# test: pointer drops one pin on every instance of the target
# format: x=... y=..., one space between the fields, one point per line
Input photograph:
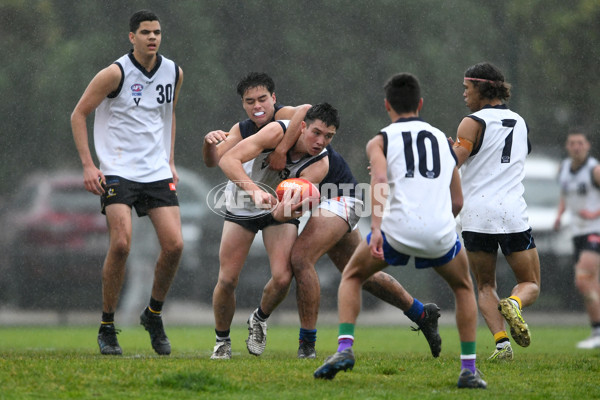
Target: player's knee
x=120 y=247
x=174 y=247
x=227 y=283
x=282 y=280
x=583 y=282
x=300 y=262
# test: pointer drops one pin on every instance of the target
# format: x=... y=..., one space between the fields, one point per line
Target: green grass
x=392 y=362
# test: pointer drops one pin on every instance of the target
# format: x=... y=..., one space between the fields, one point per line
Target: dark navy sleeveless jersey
x=249 y=128
x=339 y=175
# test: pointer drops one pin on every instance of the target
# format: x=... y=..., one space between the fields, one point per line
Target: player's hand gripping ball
x=306 y=188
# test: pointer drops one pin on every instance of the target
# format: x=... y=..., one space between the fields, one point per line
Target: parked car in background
x=54 y=240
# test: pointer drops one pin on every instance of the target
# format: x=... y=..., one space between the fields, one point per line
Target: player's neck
x=148 y=61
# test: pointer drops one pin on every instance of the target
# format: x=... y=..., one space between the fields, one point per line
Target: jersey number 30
x=165 y=93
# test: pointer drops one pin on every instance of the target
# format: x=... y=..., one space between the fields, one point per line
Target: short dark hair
x=403 y=92
x=255 y=79
x=493 y=85
x=140 y=16
x=324 y=112
x=579 y=130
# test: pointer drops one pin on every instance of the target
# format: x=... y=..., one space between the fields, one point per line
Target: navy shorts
x=141 y=196
x=258 y=223
x=489 y=242
x=590 y=242
x=393 y=257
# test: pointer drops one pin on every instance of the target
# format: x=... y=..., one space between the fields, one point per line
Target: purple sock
x=468 y=364
x=344 y=344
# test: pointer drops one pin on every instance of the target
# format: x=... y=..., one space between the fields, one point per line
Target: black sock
x=223 y=336
x=261 y=315
x=108 y=318
x=155 y=306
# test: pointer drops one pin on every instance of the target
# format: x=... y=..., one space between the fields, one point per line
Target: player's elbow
x=457 y=205
x=77 y=116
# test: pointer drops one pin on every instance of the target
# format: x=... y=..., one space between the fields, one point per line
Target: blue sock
x=416 y=311
x=308 y=335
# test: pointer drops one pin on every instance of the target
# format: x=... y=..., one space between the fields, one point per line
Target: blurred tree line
x=316 y=50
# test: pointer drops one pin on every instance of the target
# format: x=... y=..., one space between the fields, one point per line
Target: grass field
x=392 y=363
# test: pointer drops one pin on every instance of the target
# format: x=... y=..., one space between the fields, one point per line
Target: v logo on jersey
x=137 y=101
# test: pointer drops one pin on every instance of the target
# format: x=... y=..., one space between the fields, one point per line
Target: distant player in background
x=332 y=229
x=253 y=209
x=579 y=179
x=414 y=178
x=491 y=147
x=134 y=136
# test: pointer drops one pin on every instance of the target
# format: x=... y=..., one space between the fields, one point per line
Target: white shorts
x=344 y=207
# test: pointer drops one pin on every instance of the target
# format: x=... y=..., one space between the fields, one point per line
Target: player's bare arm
x=456 y=192
x=379 y=192
x=277 y=159
x=232 y=161
x=217 y=143
x=173 y=125
x=104 y=83
x=316 y=172
x=467 y=137
x=562 y=206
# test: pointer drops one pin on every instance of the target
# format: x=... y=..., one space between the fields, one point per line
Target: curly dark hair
x=492 y=84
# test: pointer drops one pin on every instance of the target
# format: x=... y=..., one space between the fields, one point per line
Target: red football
x=306 y=187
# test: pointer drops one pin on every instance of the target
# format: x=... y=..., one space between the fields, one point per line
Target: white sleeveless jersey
x=418 y=220
x=240 y=203
x=492 y=175
x=132 y=126
x=580 y=193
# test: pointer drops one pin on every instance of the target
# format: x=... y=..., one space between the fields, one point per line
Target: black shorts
x=489 y=242
x=590 y=242
x=141 y=196
x=258 y=223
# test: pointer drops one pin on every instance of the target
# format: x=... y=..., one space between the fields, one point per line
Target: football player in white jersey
x=491 y=147
x=134 y=135
x=579 y=179
x=415 y=196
